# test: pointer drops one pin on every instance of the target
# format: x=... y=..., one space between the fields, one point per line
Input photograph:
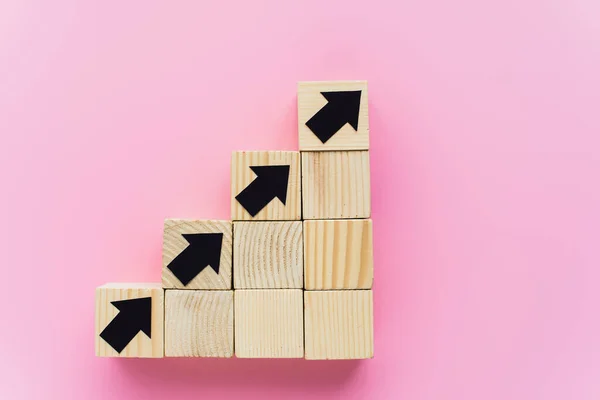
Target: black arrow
x=204 y=250
x=134 y=315
x=271 y=181
x=341 y=108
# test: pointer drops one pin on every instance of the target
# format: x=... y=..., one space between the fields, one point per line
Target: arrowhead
x=275 y=178
x=345 y=105
x=206 y=247
x=137 y=313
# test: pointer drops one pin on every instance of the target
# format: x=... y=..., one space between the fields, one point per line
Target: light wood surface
x=242 y=176
x=338 y=324
x=336 y=184
x=310 y=101
x=174 y=243
x=141 y=346
x=198 y=323
x=268 y=255
x=338 y=254
x=268 y=323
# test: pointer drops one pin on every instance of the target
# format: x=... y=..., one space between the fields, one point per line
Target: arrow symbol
x=341 y=109
x=134 y=315
x=271 y=181
x=204 y=250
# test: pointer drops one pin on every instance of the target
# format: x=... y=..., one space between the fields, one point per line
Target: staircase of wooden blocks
x=289 y=277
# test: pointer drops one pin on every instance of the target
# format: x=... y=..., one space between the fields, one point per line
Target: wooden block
x=268 y=255
x=333 y=116
x=129 y=320
x=268 y=323
x=199 y=323
x=338 y=324
x=338 y=254
x=197 y=254
x=336 y=184
x=265 y=185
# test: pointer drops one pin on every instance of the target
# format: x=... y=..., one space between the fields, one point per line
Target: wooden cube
x=268 y=255
x=338 y=324
x=265 y=185
x=336 y=184
x=268 y=323
x=338 y=254
x=197 y=254
x=333 y=116
x=198 y=323
x=129 y=320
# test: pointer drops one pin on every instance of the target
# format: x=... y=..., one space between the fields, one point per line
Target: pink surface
x=485 y=168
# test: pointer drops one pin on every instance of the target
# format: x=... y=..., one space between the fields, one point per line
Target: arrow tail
x=253 y=197
x=119 y=332
x=186 y=266
x=326 y=122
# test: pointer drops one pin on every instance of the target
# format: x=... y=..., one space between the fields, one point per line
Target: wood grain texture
x=199 y=323
x=336 y=184
x=242 y=176
x=338 y=254
x=268 y=323
x=268 y=255
x=338 y=324
x=174 y=244
x=310 y=101
x=141 y=346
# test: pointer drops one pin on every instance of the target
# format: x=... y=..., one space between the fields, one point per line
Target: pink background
x=485 y=135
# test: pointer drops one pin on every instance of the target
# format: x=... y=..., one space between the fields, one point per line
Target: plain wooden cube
x=311 y=100
x=268 y=323
x=268 y=255
x=338 y=324
x=242 y=176
x=198 y=323
x=338 y=254
x=106 y=313
x=174 y=244
x=336 y=184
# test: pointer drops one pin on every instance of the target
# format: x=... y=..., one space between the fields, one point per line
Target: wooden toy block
x=265 y=185
x=197 y=254
x=333 y=116
x=336 y=184
x=129 y=320
x=338 y=324
x=198 y=323
x=268 y=255
x=338 y=254
x=268 y=323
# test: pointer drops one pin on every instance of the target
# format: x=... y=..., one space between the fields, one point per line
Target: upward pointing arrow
x=204 y=250
x=271 y=182
x=342 y=108
x=134 y=315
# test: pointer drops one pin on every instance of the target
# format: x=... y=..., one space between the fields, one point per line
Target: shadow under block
x=268 y=255
x=268 y=323
x=198 y=323
x=336 y=184
x=265 y=185
x=338 y=254
x=193 y=252
x=338 y=324
x=333 y=116
x=129 y=320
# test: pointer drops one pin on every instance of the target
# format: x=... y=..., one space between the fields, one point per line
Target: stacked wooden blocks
x=333 y=128
x=289 y=277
